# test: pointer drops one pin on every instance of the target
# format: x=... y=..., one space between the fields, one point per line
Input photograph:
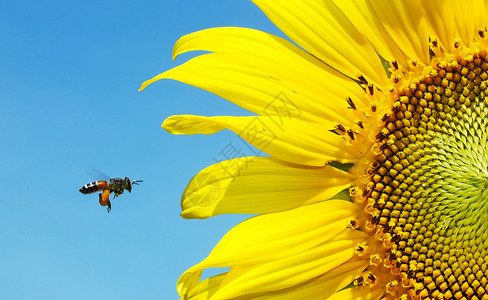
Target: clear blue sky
x=69 y=73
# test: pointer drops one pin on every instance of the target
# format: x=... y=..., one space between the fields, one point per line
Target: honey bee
x=116 y=185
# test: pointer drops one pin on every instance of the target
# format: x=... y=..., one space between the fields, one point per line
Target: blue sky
x=69 y=104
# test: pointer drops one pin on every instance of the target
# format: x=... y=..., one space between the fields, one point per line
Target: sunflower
x=374 y=122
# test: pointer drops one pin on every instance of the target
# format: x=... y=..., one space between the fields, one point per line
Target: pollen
x=426 y=199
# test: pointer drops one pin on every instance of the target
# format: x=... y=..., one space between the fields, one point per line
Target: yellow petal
x=362 y=15
x=358 y=293
x=275 y=236
x=253 y=185
x=205 y=289
x=320 y=287
x=292 y=270
x=440 y=16
x=405 y=23
x=287 y=139
x=289 y=61
x=484 y=13
x=267 y=75
x=264 y=87
x=323 y=30
x=469 y=18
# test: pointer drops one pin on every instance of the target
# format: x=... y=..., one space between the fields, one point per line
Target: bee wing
x=97 y=175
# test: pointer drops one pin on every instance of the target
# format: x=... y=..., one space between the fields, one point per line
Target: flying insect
x=116 y=185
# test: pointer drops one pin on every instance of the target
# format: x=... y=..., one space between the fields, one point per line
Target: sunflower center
x=427 y=196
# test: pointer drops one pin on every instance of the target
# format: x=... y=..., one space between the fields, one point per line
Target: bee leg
x=103 y=199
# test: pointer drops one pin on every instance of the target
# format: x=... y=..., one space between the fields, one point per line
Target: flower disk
x=427 y=194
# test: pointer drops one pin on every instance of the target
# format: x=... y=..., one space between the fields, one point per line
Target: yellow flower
x=376 y=184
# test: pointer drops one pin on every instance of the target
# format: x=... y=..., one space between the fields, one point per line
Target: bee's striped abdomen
x=94 y=187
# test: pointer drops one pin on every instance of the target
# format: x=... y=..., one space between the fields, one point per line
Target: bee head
x=127 y=184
